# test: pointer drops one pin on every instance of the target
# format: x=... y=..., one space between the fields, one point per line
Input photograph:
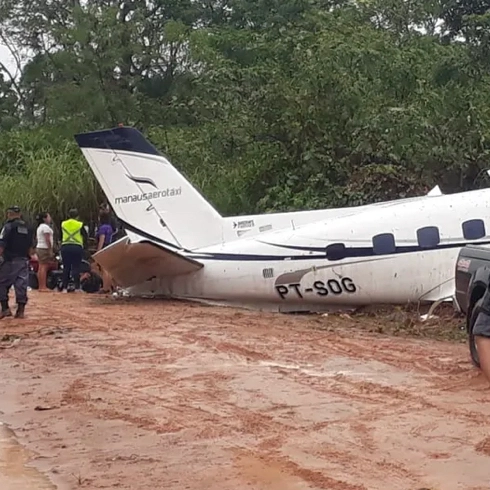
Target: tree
x=8 y=105
x=100 y=62
x=265 y=105
x=459 y=15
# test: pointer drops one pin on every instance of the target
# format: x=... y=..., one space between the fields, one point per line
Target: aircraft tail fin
x=148 y=194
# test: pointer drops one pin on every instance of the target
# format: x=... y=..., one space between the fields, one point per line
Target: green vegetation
x=265 y=105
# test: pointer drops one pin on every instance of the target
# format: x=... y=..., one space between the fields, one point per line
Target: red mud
x=152 y=394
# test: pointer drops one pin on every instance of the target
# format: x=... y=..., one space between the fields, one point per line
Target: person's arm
x=85 y=237
x=32 y=248
x=4 y=234
x=100 y=243
x=47 y=237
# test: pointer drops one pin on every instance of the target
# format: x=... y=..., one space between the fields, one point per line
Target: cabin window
x=474 y=229
x=428 y=237
x=336 y=251
x=384 y=244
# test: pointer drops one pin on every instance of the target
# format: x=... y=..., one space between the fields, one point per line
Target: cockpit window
x=474 y=229
x=384 y=243
x=428 y=237
x=335 y=251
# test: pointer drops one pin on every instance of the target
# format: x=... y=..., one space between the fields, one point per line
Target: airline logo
x=147 y=196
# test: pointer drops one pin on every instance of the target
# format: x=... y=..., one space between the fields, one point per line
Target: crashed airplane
x=179 y=246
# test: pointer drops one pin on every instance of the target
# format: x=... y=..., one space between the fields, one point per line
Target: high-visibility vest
x=71 y=232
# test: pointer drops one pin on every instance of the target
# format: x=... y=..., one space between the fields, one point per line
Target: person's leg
x=76 y=265
x=21 y=282
x=5 y=284
x=44 y=257
x=42 y=271
x=42 y=274
x=483 y=346
x=481 y=331
x=66 y=258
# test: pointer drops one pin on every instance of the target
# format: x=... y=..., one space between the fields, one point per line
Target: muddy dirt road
x=146 y=394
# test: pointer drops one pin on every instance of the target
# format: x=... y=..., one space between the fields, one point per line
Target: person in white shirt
x=44 y=248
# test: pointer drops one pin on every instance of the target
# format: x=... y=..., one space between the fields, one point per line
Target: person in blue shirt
x=105 y=212
x=104 y=232
x=104 y=238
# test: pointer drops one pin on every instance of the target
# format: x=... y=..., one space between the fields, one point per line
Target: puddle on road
x=14 y=472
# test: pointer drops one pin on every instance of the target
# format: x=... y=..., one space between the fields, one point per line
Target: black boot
x=5 y=310
x=20 y=310
x=5 y=313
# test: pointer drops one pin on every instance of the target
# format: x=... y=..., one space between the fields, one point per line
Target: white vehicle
x=177 y=244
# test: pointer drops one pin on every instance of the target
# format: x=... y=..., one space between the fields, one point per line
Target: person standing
x=16 y=247
x=104 y=232
x=74 y=241
x=104 y=236
x=106 y=213
x=44 y=248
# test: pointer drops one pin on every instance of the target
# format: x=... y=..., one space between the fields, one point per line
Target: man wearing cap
x=16 y=248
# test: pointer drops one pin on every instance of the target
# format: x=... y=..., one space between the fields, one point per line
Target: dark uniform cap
x=14 y=209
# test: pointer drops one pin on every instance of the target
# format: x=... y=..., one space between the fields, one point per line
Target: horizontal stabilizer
x=133 y=263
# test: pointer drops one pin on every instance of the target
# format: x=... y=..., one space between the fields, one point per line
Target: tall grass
x=43 y=170
x=50 y=180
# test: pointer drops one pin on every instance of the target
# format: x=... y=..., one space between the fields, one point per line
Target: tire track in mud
x=282 y=468
x=281 y=405
x=255 y=424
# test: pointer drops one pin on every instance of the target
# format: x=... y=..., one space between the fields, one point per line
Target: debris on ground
x=42 y=409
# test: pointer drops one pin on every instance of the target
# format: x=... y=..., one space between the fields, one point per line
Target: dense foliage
x=265 y=105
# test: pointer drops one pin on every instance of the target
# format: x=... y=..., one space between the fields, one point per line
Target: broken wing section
x=132 y=263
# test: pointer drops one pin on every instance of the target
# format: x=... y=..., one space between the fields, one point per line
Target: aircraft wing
x=133 y=263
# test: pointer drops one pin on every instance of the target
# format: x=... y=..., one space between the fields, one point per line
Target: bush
x=45 y=173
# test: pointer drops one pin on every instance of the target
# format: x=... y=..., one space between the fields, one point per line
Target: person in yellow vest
x=74 y=240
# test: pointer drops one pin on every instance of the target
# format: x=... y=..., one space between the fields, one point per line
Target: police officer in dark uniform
x=16 y=247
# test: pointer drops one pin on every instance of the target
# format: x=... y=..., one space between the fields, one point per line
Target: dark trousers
x=71 y=255
x=15 y=273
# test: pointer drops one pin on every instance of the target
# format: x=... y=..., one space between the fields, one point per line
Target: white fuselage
x=235 y=227
x=395 y=252
x=411 y=259
x=378 y=281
